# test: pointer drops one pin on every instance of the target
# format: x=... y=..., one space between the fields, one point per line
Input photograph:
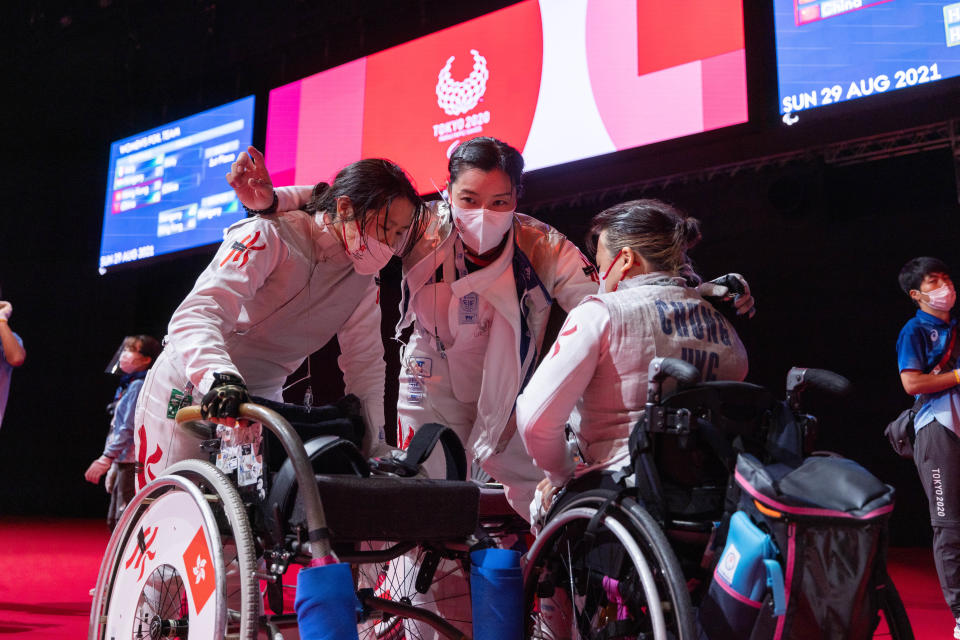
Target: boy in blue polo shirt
x=927 y=357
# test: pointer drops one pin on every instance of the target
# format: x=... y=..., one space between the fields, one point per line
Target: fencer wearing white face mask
x=367 y=253
x=482 y=230
x=477 y=291
x=281 y=286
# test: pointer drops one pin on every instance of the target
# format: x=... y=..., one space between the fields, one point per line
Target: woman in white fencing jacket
x=647 y=306
x=478 y=287
x=279 y=288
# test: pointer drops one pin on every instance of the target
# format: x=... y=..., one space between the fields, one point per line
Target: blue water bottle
x=496 y=594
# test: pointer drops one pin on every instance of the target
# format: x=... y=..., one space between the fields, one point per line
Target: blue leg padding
x=496 y=594
x=326 y=603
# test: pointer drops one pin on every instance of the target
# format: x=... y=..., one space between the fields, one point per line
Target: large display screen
x=166 y=189
x=831 y=51
x=561 y=80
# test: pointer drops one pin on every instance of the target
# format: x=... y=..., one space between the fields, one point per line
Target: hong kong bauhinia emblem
x=457 y=97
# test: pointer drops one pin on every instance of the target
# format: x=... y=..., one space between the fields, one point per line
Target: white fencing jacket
x=598 y=366
x=537 y=267
x=279 y=288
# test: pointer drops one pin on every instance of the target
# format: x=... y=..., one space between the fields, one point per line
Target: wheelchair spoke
x=600 y=584
x=396 y=580
x=162 y=607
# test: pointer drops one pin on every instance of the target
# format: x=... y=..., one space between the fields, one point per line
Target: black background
x=821 y=244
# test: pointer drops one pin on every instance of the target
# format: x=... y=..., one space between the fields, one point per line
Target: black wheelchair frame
x=629 y=552
x=323 y=503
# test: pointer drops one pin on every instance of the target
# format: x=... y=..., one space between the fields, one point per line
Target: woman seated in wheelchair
x=595 y=375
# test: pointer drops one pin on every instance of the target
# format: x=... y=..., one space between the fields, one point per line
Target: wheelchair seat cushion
x=400 y=509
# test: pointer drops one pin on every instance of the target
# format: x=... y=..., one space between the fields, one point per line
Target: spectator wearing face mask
x=137 y=353
x=927 y=358
x=12 y=353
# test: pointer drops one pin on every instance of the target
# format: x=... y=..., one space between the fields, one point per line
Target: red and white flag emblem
x=240 y=251
x=200 y=573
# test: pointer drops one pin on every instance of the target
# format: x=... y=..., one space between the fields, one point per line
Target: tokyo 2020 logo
x=457 y=97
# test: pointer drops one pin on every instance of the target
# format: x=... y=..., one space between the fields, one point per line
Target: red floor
x=47 y=568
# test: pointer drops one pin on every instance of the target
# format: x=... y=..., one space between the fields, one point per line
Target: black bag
x=900 y=431
x=828 y=519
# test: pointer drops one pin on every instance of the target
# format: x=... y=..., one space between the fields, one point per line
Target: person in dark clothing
x=117 y=461
x=927 y=358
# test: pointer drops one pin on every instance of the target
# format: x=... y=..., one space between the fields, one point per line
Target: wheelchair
x=629 y=553
x=201 y=551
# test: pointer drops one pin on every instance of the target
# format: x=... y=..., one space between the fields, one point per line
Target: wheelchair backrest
x=702 y=429
x=734 y=408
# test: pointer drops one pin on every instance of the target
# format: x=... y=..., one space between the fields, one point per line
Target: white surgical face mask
x=130 y=361
x=368 y=254
x=942 y=298
x=481 y=229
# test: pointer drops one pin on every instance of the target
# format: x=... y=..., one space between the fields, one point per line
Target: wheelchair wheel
x=159 y=577
x=895 y=623
x=173 y=562
x=420 y=577
x=605 y=575
x=243 y=597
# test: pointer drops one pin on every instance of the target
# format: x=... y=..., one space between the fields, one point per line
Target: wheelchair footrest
x=386 y=508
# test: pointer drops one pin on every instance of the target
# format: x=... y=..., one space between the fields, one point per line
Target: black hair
x=144 y=345
x=371 y=184
x=486 y=153
x=654 y=229
x=916 y=269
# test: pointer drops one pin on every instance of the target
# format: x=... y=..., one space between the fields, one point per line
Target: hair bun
x=689 y=228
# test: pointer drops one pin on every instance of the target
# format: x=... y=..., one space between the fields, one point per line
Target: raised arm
x=251 y=181
x=13 y=350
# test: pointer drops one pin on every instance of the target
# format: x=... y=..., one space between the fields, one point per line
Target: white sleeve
x=198 y=327
x=362 y=363
x=575 y=277
x=293 y=198
x=557 y=385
